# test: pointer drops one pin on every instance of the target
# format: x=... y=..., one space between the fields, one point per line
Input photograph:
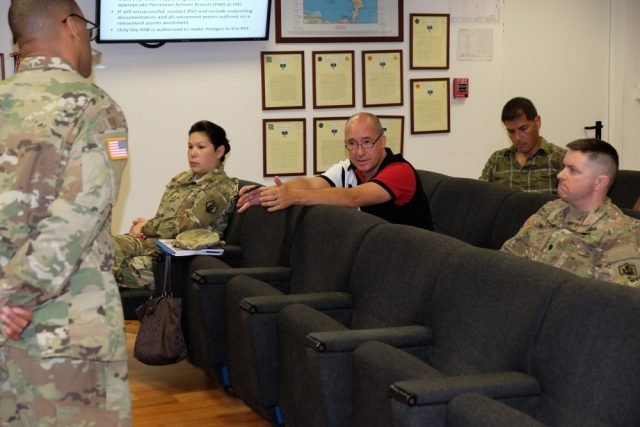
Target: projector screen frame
x=156 y=42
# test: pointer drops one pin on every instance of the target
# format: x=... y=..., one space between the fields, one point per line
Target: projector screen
x=154 y=21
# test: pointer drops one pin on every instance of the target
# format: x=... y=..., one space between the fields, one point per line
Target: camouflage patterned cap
x=197 y=239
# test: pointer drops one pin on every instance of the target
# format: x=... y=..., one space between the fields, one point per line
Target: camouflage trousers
x=62 y=392
x=133 y=264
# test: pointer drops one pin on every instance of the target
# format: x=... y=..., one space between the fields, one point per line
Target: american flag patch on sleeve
x=117 y=148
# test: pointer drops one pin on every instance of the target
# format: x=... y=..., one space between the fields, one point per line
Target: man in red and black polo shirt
x=373 y=179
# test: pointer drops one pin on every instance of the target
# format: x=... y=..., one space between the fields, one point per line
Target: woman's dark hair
x=215 y=133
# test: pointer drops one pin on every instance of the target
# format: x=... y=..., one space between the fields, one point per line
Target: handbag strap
x=166 y=282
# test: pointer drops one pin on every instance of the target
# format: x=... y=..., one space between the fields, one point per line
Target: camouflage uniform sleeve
x=43 y=265
x=156 y=225
x=212 y=206
x=519 y=244
x=620 y=260
x=186 y=205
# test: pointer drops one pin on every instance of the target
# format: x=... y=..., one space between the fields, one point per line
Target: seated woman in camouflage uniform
x=202 y=197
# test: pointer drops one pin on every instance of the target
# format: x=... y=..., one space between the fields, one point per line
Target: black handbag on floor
x=159 y=340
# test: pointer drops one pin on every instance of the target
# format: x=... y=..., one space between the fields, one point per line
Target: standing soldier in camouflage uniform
x=201 y=198
x=583 y=231
x=63 y=147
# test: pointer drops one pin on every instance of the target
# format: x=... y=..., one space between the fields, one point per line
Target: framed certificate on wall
x=333 y=77
x=282 y=80
x=284 y=147
x=382 y=78
x=393 y=127
x=328 y=142
x=429 y=44
x=430 y=105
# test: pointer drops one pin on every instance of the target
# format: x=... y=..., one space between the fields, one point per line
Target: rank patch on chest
x=627 y=269
x=211 y=207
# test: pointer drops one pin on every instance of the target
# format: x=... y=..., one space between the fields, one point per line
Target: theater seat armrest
x=220 y=276
x=231 y=252
x=423 y=392
x=348 y=340
x=324 y=301
x=476 y=410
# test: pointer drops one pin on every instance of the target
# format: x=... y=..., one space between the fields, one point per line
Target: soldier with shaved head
x=63 y=147
x=583 y=231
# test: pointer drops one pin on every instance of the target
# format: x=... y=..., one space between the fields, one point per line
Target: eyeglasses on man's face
x=92 y=28
x=367 y=143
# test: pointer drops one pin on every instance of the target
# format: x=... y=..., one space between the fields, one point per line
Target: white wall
x=163 y=91
x=628 y=60
x=549 y=70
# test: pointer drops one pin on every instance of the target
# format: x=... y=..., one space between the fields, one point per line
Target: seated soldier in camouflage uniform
x=200 y=198
x=583 y=231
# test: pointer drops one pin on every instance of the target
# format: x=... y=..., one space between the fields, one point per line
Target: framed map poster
x=328 y=142
x=322 y=21
x=284 y=147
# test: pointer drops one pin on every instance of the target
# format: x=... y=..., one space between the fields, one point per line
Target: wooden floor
x=181 y=395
